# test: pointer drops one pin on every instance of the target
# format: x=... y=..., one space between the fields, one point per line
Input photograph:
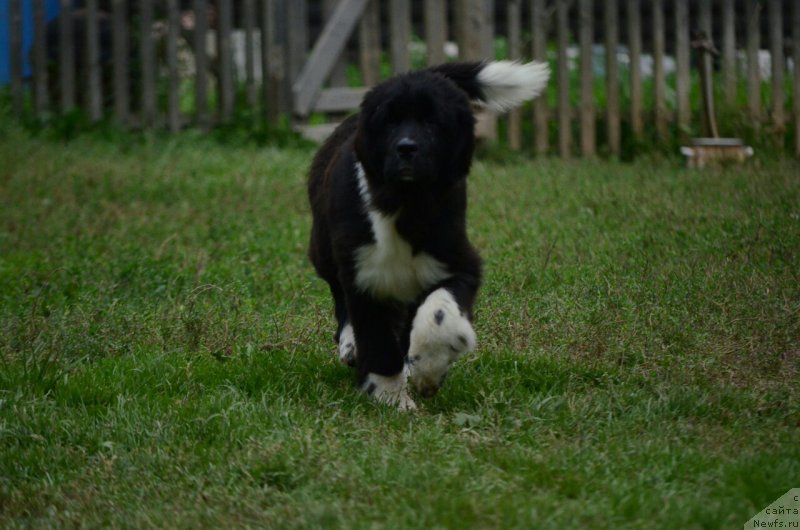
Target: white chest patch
x=388 y=268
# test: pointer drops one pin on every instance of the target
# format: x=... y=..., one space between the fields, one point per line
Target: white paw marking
x=347 y=346
x=392 y=390
x=439 y=336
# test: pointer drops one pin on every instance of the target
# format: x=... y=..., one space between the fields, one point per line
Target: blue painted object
x=51 y=9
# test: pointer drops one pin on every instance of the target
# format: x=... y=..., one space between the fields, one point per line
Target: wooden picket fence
x=314 y=72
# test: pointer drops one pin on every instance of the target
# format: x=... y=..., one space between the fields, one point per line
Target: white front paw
x=391 y=390
x=439 y=335
x=347 y=346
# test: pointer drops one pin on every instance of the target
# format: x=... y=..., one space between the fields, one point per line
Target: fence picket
x=682 y=63
x=659 y=77
x=400 y=32
x=173 y=103
x=778 y=64
x=728 y=52
x=587 y=104
x=369 y=40
x=753 y=74
x=436 y=29
x=539 y=53
x=119 y=44
x=562 y=72
x=514 y=22
x=95 y=91
x=66 y=67
x=635 y=50
x=41 y=98
x=15 y=37
x=611 y=12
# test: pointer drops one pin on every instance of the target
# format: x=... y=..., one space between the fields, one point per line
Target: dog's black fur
x=388 y=194
x=414 y=138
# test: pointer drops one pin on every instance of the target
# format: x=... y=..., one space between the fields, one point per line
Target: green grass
x=166 y=357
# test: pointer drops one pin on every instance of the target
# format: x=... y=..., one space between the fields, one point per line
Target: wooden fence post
x=15 y=37
x=436 y=30
x=728 y=52
x=635 y=48
x=778 y=64
x=514 y=23
x=539 y=52
x=173 y=29
x=148 y=116
x=119 y=23
x=682 y=65
x=612 y=76
x=562 y=69
x=66 y=57
x=271 y=64
x=706 y=62
x=659 y=79
x=40 y=96
x=225 y=55
x=95 y=92
x=753 y=74
x=400 y=34
x=249 y=16
x=369 y=41
x=587 y=106
x=201 y=64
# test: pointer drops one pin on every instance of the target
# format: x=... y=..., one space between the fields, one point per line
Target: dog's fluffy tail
x=499 y=85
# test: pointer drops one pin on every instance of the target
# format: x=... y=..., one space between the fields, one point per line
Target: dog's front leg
x=380 y=362
x=441 y=332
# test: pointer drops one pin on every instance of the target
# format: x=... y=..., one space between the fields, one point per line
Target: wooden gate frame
x=308 y=95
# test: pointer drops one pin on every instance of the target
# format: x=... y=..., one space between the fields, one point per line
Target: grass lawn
x=166 y=352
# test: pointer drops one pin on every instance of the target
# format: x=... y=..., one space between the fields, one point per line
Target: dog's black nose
x=407 y=147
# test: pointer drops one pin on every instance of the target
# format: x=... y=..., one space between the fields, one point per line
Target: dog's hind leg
x=345 y=338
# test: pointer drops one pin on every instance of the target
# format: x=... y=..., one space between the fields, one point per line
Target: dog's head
x=415 y=131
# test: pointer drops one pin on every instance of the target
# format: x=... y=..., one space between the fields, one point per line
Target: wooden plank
x=611 y=18
x=93 y=62
x=15 y=38
x=659 y=78
x=728 y=52
x=338 y=75
x=436 y=30
x=400 y=33
x=249 y=16
x=489 y=123
x=316 y=133
x=369 y=39
x=514 y=25
x=329 y=46
x=173 y=30
x=796 y=84
x=119 y=43
x=40 y=96
x=539 y=53
x=778 y=65
x=202 y=118
x=753 y=73
x=635 y=47
x=705 y=61
x=682 y=65
x=66 y=56
x=562 y=73
x=587 y=104
x=339 y=99
x=148 y=64
x=225 y=54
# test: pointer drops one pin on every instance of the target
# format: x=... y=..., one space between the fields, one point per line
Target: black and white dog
x=388 y=194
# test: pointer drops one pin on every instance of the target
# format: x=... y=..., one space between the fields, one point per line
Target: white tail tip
x=508 y=84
